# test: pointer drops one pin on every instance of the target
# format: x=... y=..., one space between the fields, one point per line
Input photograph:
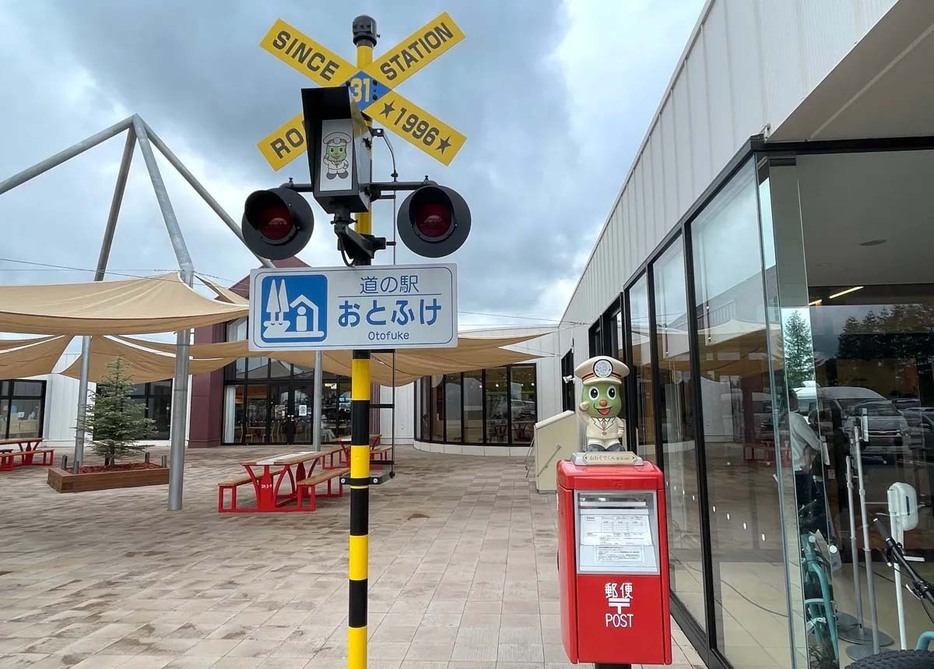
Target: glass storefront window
x=236 y=331
x=159 y=407
x=452 y=408
x=641 y=368
x=424 y=417
x=233 y=414
x=437 y=408
x=279 y=370
x=28 y=388
x=679 y=450
x=22 y=405
x=257 y=369
x=854 y=305
x=473 y=407
x=746 y=540
x=497 y=406
x=256 y=414
x=492 y=406
x=25 y=417
x=523 y=403
x=156 y=398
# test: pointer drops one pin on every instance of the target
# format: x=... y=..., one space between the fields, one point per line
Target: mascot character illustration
x=335 y=156
x=601 y=385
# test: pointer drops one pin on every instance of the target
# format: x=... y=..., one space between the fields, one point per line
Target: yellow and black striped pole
x=364 y=37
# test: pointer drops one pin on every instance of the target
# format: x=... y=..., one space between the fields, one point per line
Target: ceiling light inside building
x=844 y=292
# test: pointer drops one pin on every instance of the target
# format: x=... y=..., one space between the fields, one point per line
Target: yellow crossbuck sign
x=372 y=88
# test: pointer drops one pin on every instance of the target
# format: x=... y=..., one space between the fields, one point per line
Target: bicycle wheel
x=902 y=659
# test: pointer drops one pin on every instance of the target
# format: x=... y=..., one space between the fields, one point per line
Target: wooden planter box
x=65 y=481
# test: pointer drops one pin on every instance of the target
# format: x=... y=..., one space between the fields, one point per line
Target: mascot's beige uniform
x=607 y=433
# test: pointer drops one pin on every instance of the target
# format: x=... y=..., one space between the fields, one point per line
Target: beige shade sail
x=471 y=353
x=34 y=359
x=142 y=366
x=7 y=344
x=224 y=293
x=135 y=306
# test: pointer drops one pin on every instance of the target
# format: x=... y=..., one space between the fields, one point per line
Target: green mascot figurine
x=601 y=389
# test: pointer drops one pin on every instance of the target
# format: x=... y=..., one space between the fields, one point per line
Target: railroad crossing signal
x=372 y=88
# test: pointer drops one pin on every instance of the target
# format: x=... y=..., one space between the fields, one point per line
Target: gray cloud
x=196 y=73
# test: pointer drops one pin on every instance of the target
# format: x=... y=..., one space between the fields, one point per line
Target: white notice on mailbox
x=622 y=528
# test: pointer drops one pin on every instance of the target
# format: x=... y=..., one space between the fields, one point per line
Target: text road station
x=399 y=306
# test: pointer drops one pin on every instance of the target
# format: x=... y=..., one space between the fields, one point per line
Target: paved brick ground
x=462 y=574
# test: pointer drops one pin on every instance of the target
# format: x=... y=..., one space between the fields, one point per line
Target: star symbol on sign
x=444 y=143
x=387 y=109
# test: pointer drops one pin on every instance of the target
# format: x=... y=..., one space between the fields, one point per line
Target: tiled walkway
x=462 y=573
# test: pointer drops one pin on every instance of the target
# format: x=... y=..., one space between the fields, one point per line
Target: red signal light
x=276 y=224
x=433 y=221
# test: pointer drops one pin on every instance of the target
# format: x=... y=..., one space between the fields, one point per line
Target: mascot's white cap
x=601 y=368
x=337 y=138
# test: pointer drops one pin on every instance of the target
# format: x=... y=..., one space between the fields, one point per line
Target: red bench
x=306 y=487
x=232 y=486
x=28 y=448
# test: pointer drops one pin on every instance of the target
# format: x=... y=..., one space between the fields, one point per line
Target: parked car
x=888 y=428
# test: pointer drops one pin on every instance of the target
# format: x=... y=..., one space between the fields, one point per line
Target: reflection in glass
x=233 y=414
x=874 y=353
x=522 y=400
x=676 y=408
x=160 y=408
x=278 y=413
x=27 y=388
x=302 y=412
x=473 y=407
x=497 y=406
x=257 y=369
x=745 y=525
x=236 y=331
x=641 y=368
x=437 y=408
x=279 y=370
x=25 y=417
x=424 y=407
x=256 y=414
x=452 y=407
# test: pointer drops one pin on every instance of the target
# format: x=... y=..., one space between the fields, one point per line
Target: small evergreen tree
x=799 y=359
x=114 y=421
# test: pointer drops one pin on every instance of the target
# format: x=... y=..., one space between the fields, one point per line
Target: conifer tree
x=799 y=359
x=114 y=421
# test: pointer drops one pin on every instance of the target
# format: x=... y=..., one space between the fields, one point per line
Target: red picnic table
x=377 y=453
x=28 y=448
x=268 y=474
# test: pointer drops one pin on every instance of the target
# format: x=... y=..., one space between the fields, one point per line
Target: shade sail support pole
x=106 y=245
x=62 y=156
x=179 y=416
x=316 y=402
x=201 y=190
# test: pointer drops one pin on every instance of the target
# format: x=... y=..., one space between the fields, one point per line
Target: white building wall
x=404 y=414
x=748 y=65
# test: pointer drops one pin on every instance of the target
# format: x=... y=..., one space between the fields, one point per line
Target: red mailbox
x=613 y=563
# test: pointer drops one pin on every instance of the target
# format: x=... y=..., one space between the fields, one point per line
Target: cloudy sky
x=554 y=98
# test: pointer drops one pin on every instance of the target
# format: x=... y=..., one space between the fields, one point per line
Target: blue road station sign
x=373 y=307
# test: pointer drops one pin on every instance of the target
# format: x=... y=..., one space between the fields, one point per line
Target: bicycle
x=920 y=657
